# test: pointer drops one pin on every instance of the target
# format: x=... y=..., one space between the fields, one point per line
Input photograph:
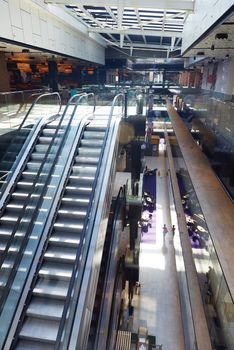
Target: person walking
x=173 y=230
x=165 y=230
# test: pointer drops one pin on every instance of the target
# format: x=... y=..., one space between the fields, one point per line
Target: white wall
x=49 y=27
x=206 y=13
x=224 y=77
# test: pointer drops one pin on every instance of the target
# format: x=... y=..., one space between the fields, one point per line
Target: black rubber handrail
x=40 y=200
x=41 y=96
x=77 y=259
x=36 y=101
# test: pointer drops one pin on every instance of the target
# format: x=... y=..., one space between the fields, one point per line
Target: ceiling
x=137 y=25
x=218 y=44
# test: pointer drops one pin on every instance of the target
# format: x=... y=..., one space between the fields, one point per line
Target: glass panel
x=214 y=288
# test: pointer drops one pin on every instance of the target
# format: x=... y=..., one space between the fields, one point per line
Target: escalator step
x=89 y=152
x=45 y=308
x=82 y=201
x=87 y=160
x=68 y=225
x=67 y=213
x=64 y=239
x=83 y=170
x=30 y=345
x=50 y=288
x=60 y=254
x=81 y=180
x=91 y=143
x=56 y=270
x=42 y=330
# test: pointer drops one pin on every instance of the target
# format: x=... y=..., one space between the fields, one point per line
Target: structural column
x=4 y=74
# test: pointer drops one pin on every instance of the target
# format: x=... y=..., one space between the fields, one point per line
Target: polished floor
x=158 y=305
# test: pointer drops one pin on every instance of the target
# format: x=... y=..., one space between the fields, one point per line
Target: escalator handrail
x=25 y=118
x=87 y=219
x=20 y=160
x=81 y=96
x=35 y=213
x=35 y=102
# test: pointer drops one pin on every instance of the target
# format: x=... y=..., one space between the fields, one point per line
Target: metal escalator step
x=45 y=308
x=56 y=270
x=84 y=180
x=89 y=152
x=37 y=157
x=26 y=185
x=60 y=254
x=51 y=288
x=64 y=239
x=45 y=140
x=68 y=225
x=23 y=344
x=12 y=249
x=37 y=329
x=49 y=132
x=33 y=166
x=95 y=127
x=84 y=170
x=87 y=160
x=28 y=176
x=5 y=230
x=91 y=143
x=67 y=213
x=42 y=148
x=89 y=134
x=19 y=195
x=78 y=190
x=14 y=209
x=74 y=201
x=8 y=219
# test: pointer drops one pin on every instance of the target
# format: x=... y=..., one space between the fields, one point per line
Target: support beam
x=183 y=5
x=150 y=46
x=135 y=32
x=160 y=20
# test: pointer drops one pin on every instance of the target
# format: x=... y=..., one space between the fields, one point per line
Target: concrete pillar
x=53 y=75
x=4 y=74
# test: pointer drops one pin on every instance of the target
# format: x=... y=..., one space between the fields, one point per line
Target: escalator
x=56 y=276
x=45 y=308
x=13 y=210
x=105 y=293
x=28 y=187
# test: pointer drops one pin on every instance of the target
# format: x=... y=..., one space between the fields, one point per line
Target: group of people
x=197 y=240
x=165 y=231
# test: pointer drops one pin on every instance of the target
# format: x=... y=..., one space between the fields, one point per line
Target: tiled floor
x=158 y=305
